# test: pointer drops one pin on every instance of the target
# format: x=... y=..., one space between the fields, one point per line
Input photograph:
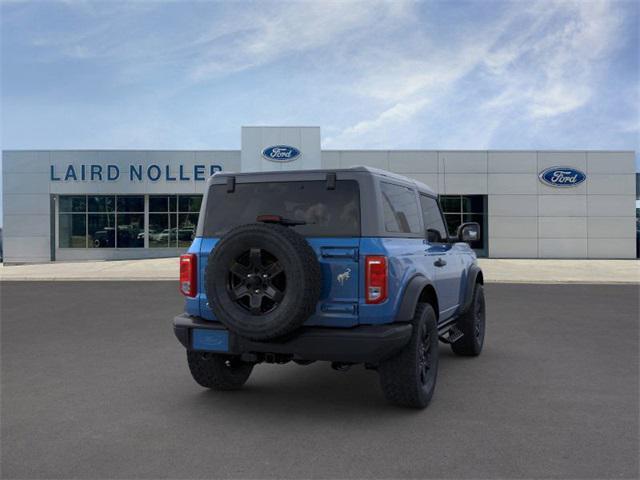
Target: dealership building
x=69 y=205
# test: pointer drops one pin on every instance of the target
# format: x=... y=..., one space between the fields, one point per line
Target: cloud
x=383 y=74
x=551 y=67
x=262 y=37
x=537 y=60
x=400 y=112
x=228 y=38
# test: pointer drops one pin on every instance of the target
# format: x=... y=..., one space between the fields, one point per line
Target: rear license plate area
x=210 y=340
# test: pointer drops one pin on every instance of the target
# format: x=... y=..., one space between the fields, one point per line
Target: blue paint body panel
x=342 y=260
x=210 y=340
x=338 y=305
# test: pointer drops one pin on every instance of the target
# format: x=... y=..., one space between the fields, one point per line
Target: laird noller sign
x=133 y=173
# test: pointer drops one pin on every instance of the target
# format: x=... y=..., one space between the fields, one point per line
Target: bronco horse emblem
x=344 y=276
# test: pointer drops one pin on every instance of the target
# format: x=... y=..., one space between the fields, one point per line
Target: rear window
x=327 y=213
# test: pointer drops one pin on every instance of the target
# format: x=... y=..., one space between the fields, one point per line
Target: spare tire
x=262 y=280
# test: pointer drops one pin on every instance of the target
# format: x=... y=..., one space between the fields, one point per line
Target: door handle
x=440 y=263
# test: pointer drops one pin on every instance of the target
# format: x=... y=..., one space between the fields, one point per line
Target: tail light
x=188 y=272
x=375 y=279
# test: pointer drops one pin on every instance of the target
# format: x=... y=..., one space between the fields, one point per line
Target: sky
x=372 y=74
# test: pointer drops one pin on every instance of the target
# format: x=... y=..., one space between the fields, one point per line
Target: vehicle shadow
x=313 y=390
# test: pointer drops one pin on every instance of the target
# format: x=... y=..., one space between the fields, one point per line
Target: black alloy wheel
x=424 y=357
x=257 y=281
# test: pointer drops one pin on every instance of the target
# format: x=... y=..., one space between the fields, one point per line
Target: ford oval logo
x=562 y=177
x=281 y=153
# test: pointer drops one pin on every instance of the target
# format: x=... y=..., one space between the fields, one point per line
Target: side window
x=433 y=223
x=400 y=209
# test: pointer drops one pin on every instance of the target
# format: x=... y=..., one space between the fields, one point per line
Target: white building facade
x=120 y=204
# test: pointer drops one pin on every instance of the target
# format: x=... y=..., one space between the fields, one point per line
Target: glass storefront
x=118 y=221
x=73 y=230
x=459 y=209
x=173 y=220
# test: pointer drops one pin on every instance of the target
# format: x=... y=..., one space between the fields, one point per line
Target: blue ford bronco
x=349 y=266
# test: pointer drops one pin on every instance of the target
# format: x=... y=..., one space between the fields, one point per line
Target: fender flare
x=410 y=298
x=472 y=277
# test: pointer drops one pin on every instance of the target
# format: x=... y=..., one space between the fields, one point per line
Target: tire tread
x=398 y=375
x=466 y=346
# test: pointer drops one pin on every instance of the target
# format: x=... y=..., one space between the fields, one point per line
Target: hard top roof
x=358 y=168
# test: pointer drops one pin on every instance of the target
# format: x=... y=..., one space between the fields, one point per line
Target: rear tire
x=409 y=378
x=472 y=325
x=218 y=372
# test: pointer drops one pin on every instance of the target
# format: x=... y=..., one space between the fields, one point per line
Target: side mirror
x=469 y=232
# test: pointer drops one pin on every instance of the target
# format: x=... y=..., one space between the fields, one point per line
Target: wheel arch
x=474 y=276
x=429 y=295
x=419 y=290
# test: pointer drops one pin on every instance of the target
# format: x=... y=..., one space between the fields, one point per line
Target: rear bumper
x=362 y=344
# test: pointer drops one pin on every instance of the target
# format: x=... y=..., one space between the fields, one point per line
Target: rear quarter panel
x=406 y=258
x=192 y=306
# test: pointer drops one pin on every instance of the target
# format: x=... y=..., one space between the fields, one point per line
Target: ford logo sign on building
x=562 y=177
x=281 y=153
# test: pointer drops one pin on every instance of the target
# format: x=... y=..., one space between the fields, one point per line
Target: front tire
x=218 y=372
x=472 y=325
x=409 y=378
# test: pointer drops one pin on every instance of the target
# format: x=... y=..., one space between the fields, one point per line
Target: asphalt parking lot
x=94 y=385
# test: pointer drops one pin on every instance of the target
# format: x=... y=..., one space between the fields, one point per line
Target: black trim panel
x=410 y=298
x=363 y=344
x=472 y=276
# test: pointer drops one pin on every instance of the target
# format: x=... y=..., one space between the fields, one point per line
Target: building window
x=188 y=210
x=72 y=221
x=130 y=221
x=101 y=221
x=118 y=221
x=173 y=220
x=73 y=204
x=73 y=230
x=162 y=221
x=459 y=209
